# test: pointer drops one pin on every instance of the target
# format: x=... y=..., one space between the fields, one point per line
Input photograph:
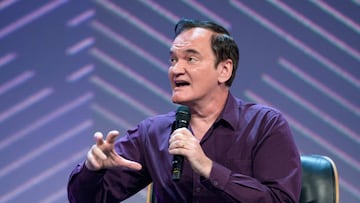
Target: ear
x=225 y=69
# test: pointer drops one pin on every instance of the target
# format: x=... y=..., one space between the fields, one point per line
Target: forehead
x=194 y=37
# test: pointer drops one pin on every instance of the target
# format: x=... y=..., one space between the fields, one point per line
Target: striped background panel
x=70 y=68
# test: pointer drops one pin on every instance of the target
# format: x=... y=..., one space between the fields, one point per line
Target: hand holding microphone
x=183 y=117
x=184 y=144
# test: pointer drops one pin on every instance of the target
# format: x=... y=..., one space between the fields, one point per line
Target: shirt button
x=215 y=183
x=197 y=189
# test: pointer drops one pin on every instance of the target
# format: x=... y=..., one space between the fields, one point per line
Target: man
x=234 y=151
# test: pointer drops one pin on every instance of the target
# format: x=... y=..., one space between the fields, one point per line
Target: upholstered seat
x=319 y=181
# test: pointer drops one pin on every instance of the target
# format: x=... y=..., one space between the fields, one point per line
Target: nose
x=177 y=68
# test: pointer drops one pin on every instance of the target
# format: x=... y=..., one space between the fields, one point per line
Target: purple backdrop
x=70 y=68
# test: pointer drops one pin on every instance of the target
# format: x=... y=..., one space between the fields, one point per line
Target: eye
x=172 y=60
x=192 y=59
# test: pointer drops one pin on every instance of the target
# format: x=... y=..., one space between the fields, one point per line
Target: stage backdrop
x=70 y=68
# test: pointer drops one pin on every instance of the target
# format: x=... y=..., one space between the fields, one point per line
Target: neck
x=202 y=117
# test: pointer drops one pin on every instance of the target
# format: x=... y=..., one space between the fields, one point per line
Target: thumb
x=130 y=164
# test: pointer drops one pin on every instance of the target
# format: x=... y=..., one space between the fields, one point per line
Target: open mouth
x=181 y=83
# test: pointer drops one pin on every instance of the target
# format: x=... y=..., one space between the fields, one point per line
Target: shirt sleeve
x=275 y=169
x=110 y=185
x=83 y=184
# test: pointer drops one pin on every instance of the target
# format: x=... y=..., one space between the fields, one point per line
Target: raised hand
x=102 y=155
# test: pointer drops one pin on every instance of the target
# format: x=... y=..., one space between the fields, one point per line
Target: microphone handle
x=177 y=165
x=182 y=119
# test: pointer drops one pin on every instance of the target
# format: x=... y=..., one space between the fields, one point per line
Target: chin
x=178 y=101
x=181 y=98
x=175 y=101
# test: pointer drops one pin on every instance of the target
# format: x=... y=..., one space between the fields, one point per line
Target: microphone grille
x=183 y=113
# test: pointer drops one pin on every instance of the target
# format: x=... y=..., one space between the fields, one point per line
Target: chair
x=320 y=183
x=150 y=197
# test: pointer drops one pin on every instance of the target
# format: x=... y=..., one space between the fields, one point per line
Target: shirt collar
x=230 y=114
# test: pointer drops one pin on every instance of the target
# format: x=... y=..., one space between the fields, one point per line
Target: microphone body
x=183 y=117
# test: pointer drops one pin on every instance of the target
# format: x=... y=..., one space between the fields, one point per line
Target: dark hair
x=222 y=44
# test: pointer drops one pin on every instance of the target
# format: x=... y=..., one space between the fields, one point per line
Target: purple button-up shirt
x=254 y=159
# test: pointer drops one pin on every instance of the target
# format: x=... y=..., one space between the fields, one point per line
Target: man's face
x=192 y=73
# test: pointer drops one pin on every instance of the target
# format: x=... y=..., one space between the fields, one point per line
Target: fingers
x=183 y=142
x=103 y=155
x=180 y=134
x=131 y=164
x=175 y=144
x=178 y=143
x=98 y=136
x=111 y=137
x=179 y=148
x=180 y=137
x=92 y=163
x=98 y=153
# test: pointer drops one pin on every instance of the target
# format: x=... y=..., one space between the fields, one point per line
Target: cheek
x=170 y=75
x=205 y=76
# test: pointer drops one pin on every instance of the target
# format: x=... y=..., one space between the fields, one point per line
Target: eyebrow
x=187 y=51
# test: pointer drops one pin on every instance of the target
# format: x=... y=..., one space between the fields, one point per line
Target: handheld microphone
x=183 y=117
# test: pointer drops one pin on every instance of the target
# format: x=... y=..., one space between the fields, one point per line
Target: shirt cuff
x=219 y=176
x=88 y=176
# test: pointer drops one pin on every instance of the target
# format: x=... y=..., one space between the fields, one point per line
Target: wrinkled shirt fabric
x=254 y=156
